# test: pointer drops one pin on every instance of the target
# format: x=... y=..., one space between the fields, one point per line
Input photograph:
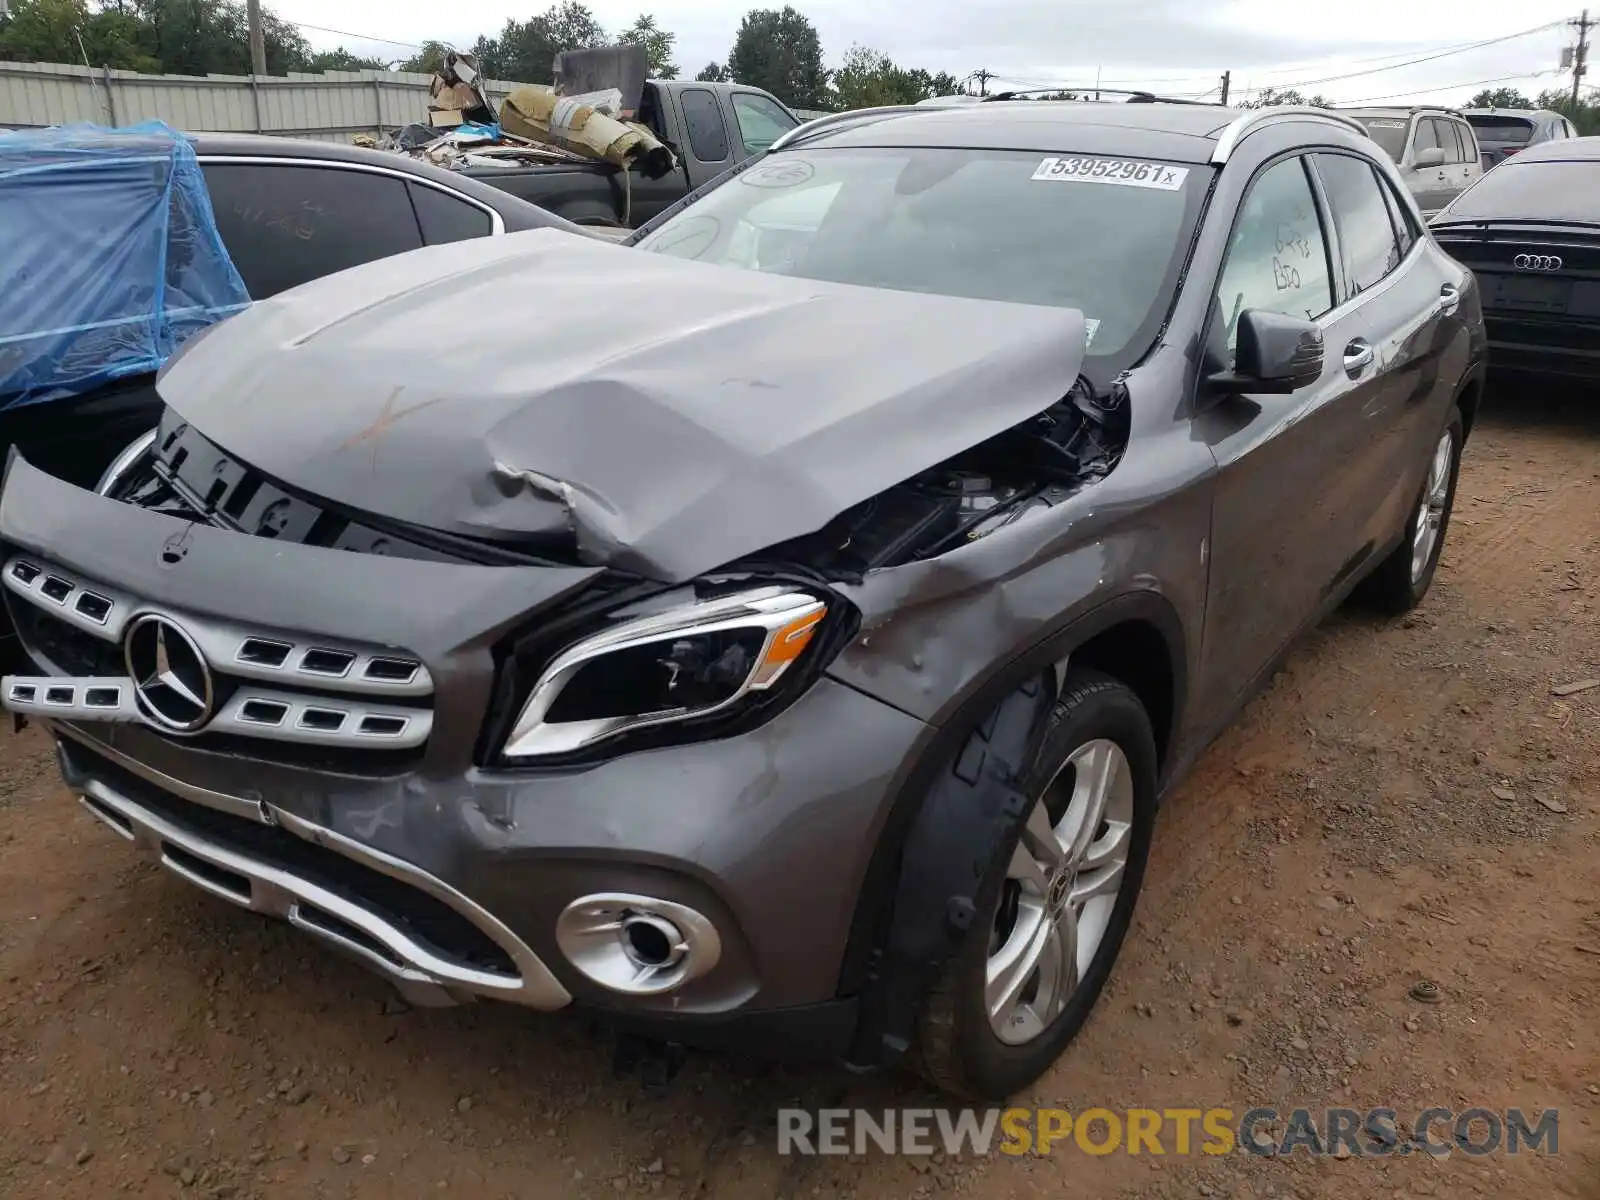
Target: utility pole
x=1227 y=78
x=1580 y=56
x=258 y=42
x=983 y=77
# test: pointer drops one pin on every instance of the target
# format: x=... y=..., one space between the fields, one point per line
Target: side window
x=1277 y=258
x=285 y=225
x=1404 y=230
x=446 y=218
x=1366 y=237
x=1469 y=144
x=1426 y=138
x=1450 y=138
x=708 y=139
x=761 y=121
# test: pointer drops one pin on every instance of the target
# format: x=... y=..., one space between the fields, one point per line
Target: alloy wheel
x=1430 y=515
x=1060 y=890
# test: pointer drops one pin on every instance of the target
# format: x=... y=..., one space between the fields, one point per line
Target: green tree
x=1500 y=97
x=68 y=31
x=657 y=43
x=1272 y=97
x=527 y=49
x=430 y=58
x=714 y=73
x=779 y=50
x=342 y=60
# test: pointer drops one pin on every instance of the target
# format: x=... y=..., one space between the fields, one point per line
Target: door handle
x=1449 y=299
x=1357 y=357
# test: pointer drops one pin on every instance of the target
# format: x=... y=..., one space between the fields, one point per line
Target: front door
x=1284 y=524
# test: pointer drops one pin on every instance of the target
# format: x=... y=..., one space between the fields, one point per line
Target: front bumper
x=321 y=883
x=446 y=877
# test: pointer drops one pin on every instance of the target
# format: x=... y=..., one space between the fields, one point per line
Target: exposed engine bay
x=1076 y=441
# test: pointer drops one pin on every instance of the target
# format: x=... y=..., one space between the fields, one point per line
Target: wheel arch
x=909 y=909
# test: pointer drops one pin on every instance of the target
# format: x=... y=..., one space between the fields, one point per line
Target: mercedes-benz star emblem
x=169 y=674
x=1537 y=262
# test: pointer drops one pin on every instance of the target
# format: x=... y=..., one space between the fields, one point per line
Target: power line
x=365 y=37
x=1443 y=87
x=1495 y=41
x=1429 y=54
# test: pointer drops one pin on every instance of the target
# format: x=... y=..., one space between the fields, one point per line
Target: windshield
x=1502 y=131
x=1530 y=191
x=1388 y=132
x=1106 y=236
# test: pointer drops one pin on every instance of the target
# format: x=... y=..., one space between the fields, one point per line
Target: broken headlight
x=688 y=662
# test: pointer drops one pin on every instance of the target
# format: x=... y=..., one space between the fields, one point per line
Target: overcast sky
x=1178 y=46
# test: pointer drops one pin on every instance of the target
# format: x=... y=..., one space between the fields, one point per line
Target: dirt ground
x=1406 y=802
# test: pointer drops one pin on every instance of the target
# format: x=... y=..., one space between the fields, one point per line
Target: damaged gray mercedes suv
x=778 y=632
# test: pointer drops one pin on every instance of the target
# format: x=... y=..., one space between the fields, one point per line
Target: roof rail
x=1081 y=95
x=854 y=116
x=1235 y=132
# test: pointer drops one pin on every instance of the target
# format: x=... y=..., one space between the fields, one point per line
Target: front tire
x=1401 y=581
x=1056 y=901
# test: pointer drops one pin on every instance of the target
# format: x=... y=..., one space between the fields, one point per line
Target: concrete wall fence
x=330 y=107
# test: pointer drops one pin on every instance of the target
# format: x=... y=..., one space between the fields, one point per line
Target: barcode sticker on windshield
x=1124 y=172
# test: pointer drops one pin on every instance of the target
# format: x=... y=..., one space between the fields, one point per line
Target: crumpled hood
x=676 y=416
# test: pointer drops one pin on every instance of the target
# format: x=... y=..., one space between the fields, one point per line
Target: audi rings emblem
x=1536 y=262
x=170 y=675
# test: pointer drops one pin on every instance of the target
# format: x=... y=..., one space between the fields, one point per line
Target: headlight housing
x=692 y=661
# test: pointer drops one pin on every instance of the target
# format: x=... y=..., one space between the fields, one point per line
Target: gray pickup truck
x=710 y=127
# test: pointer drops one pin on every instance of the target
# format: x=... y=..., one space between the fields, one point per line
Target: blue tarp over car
x=109 y=257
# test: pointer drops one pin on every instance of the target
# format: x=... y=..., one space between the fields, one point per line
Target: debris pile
x=539 y=123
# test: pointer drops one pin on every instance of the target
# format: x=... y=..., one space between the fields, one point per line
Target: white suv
x=1435 y=148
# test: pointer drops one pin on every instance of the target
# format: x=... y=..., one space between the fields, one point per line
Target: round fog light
x=637 y=945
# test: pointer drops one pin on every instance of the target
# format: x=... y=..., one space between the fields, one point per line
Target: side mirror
x=1274 y=354
x=1431 y=157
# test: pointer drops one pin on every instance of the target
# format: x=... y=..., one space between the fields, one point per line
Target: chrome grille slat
x=230 y=649
x=356 y=721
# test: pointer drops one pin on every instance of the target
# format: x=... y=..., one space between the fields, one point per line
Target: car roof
x=1177 y=132
x=1579 y=149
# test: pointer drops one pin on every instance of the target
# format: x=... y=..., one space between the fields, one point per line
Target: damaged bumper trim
x=421 y=972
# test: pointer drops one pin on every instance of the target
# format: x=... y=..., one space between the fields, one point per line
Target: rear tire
x=971 y=1042
x=1401 y=581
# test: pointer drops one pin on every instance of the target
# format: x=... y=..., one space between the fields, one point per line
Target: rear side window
x=1277 y=257
x=708 y=138
x=761 y=121
x=446 y=218
x=1361 y=216
x=1444 y=133
x=1469 y=144
x=1404 y=231
x=286 y=225
x=1462 y=142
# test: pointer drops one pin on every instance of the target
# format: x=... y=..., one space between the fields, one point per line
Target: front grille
x=426 y=919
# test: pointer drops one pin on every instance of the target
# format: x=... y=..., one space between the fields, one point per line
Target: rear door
x=1290 y=468
x=1408 y=299
x=1469 y=167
